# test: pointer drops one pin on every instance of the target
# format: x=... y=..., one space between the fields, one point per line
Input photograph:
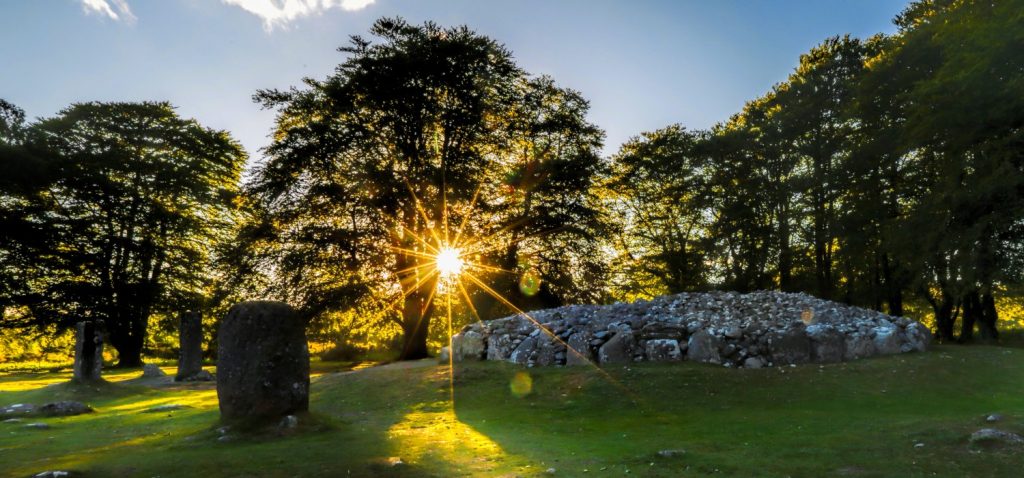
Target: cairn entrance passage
x=754 y=330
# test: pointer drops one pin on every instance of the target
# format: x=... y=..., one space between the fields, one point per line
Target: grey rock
x=64 y=408
x=18 y=409
x=579 y=353
x=468 y=346
x=524 y=352
x=887 y=340
x=858 y=345
x=663 y=350
x=995 y=417
x=791 y=346
x=289 y=422
x=499 y=347
x=827 y=344
x=37 y=426
x=263 y=363
x=170 y=407
x=150 y=370
x=753 y=362
x=616 y=350
x=994 y=436
x=703 y=347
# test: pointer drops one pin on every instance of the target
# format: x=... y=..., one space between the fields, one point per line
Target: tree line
x=882 y=170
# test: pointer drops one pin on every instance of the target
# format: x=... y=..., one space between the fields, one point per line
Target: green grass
x=856 y=419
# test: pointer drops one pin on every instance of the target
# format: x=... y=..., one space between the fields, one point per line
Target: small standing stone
x=190 y=354
x=263 y=363
x=88 y=352
x=151 y=370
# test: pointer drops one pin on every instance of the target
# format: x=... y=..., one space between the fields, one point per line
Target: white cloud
x=282 y=12
x=115 y=9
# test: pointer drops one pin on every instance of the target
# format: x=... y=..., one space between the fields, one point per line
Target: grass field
x=857 y=419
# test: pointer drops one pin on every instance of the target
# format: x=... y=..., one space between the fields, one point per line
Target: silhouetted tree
x=138 y=197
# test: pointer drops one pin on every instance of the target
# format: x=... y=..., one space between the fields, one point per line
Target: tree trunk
x=972 y=311
x=988 y=319
x=129 y=348
x=944 y=319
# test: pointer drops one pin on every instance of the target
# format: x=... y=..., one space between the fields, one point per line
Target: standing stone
x=88 y=352
x=263 y=363
x=190 y=339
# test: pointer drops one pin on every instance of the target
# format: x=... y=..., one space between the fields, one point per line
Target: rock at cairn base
x=88 y=352
x=190 y=355
x=263 y=363
x=152 y=370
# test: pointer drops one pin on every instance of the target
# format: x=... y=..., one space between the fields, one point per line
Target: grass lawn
x=857 y=419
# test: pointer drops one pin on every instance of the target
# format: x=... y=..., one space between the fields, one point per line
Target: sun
x=449 y=262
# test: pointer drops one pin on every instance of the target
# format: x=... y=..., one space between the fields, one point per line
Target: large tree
x=424 y=133
x=136 y=200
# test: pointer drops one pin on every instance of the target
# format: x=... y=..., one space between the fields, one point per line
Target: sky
x=643 y=64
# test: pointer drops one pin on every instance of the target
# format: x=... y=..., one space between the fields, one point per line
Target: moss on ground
x=856 y=419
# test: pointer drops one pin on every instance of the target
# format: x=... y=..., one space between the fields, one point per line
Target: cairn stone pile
x=755 y=330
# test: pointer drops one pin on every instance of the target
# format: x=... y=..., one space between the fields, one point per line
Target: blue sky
x=643 y=64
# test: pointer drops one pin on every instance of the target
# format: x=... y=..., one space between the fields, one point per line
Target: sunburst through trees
x=386 y=175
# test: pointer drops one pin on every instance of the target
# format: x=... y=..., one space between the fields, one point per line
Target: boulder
x=499 y=346
x=753 y=362
x=580 y=353
x=616 y=350
x=703 y=347
x=827 y=344
x=663 y=350
x=887 y=340
x=150 y=370
x=64 y=408
x=524 y=352
x=992 y=436
x=918 y=336
x=858 y=345
x=663 y=330
x=263 y=363
x=468 y=345
x=791 y=346
x=548 y=348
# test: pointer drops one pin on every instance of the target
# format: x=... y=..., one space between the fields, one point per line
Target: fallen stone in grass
x=64 y=408
x=671 y=453
x=18 y=409
x=200 y=376
x=992 y=436
x=995 y=417
x=395 y=461
x=12 y=420
x=37 y=426
x=55 y=474
x=170 y=407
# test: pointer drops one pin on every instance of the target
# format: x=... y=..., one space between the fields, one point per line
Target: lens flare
x=449 y=262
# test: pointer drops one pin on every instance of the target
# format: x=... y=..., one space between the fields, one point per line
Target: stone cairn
x=190 y=354
x=262 y=364
x=755 y=330
x=88 y=352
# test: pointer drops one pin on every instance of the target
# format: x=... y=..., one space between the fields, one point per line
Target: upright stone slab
x=190 y=354
x=262 y=363
x=88 y=352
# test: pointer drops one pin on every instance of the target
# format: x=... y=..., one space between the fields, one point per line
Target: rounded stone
x=262 y=364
